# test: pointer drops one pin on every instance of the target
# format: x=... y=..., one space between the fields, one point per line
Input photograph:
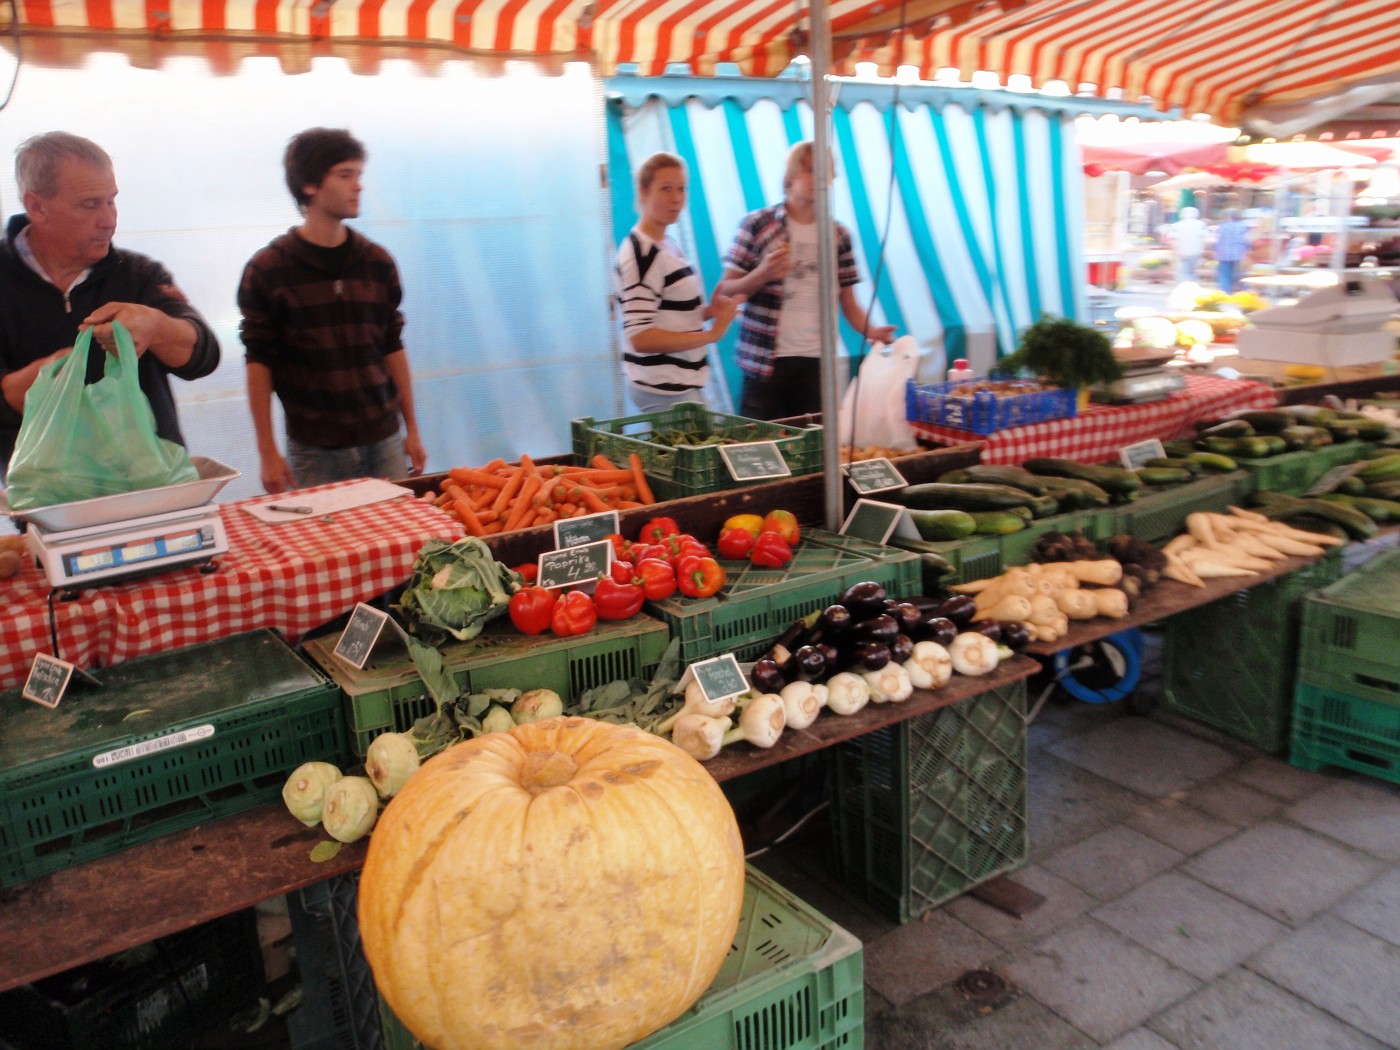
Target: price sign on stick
x=575 y=566
x=48 y=680
x=718 y=678
x=877 y=522
x=366 y=626
x=572 y=532
x=873 y=475
x=1137 y=455
x=754 y=461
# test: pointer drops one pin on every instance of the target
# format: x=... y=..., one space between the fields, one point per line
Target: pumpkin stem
x=546 y=769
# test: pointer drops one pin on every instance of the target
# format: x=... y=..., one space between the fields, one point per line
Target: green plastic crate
x=924 y=810
x=168 y=742
x=1331 y=728
x=1255 y=629
x=1293 y=473
x=690 y=471
x=158 y=996
x=1351 y=630
x=386 y=695
x=757 y=604
x=1159 y=514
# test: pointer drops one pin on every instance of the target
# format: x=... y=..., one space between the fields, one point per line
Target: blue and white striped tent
x=976 y=196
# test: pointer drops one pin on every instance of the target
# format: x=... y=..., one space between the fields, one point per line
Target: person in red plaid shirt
x=773 y=261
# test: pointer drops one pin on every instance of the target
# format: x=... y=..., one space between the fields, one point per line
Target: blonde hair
x=799 y=162
x=646 y=174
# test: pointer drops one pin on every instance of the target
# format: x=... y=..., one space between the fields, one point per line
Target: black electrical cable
x=53 y=624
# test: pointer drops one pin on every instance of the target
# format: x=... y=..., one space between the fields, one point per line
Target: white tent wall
x=976 y=197
x=483 y=180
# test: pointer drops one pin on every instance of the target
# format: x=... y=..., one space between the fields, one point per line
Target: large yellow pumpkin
x=566 y=885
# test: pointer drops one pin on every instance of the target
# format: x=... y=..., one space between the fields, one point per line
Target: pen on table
x=290 y=510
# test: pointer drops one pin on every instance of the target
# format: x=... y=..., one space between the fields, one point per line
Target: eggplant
x=907 y=615
x=1015 y=636
x=870 y=656
x=991 y=628
x=880 y=628
x=835 y=621
x=864 y=600
x=938 y=629
x=960 y=608
x=767 y=676
x=808 y=663
x=831 y=654
x=902 y=648
x=794 y=637
x=924 y=603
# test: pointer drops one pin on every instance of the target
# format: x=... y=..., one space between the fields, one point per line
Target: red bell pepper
x=658 y=578
x=735 y=543
x=615 y=600
x=784 y=524
x=657 y=529
x=528 y=571
x=640 y=552
x=699 y=577
x=574 y=613
x=530 y=608
x=622 y=570
x=770 y=551
x=622 y=549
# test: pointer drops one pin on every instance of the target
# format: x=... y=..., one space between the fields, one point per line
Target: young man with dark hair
x=322 y=329
x=61 y=274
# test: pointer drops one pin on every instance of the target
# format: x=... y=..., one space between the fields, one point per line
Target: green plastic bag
x=79 y=441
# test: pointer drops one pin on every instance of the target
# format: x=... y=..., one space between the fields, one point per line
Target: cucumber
x=998 y=522
x=934 y=567
x=1380 y=468
x=1163 y=475
x=937 y=496
x=1385 y=489
x=1175 y=462
x=1177 y=449
x=1266 y=421
x=1229 y=428
x=1013 y=477
x=1357 y=524
x=1119 y=483
x=1213 y=461
x=1381 y=511
x=943 y=524
x=1074 y=494
x=1343 y=432
x=1297 y=438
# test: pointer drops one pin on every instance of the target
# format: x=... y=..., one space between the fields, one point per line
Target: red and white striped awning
x=1210 y=56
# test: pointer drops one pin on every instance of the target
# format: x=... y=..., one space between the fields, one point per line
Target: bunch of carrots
x=503 y=497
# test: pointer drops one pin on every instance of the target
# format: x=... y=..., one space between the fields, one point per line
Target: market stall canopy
x=1221 y=57
x=1302 y=155
x=1139 y=158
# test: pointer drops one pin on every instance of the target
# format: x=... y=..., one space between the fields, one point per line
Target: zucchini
x=998 y=522
x=943 y=524
x=1163 y=475
x=1388 y=488
x=1229 y=428
x=935 y=568
x=1357 y=524
x=938 y=496
x=1343 y=432
x=1379 y=469
x=1381 y=511
x=1072 y=494
x=1266 y=421
x=1121 y=484
x=1175 y=462
x=1177 y=449
x=1213 y=461
x=1297 y=438
x=1013 y=477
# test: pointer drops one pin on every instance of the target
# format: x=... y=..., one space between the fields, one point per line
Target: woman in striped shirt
x=666 y=342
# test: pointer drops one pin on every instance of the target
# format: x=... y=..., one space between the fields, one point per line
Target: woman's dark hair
x=313 y=153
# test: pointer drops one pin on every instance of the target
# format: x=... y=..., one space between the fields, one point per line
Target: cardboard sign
x=873 y=475
x=877 y=522
x=754 y=461
x=49 y=678
x=1136 y=455
x=358 y=639
x=718 y=678
x=589 y=528
x=575 y=566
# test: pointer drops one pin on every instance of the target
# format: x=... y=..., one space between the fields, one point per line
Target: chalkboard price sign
x=718 y=678
x=874 y=475
x=874 y=521
x=358 y=639
x=754 y=461
x=1137 y=455
x=49 y=678
x=573 y=532
x=574 y=566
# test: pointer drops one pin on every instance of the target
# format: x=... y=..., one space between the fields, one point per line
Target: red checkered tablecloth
x=292 y=577
x=1096 y=435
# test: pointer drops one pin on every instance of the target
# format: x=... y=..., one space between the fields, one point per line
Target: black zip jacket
x=36 y=320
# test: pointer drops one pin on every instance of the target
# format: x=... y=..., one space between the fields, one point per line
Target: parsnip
x=1178 y=544
x=1199 y=526
x=1207 y=569
x=1181 y=572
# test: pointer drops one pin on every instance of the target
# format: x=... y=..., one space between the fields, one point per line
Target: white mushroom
x=929 y=666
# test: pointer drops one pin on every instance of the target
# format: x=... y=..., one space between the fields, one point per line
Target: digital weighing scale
x=121 y=549
x=1140 y=385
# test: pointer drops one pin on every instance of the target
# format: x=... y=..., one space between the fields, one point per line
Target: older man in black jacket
x=60 y=274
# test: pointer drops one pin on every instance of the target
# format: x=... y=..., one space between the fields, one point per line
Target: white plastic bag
x=873 y=406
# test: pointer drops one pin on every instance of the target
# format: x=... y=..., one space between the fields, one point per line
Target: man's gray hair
x=37 y=160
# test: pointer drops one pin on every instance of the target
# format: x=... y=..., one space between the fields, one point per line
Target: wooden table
x=83 y=913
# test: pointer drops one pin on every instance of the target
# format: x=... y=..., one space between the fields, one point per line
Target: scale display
x=136 y=552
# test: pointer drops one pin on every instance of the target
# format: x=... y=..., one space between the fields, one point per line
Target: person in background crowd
x=666 y=347
x=322 y=329
x=1231 y=248
x=1188 y=242
x=773 y=261
x=60 y=274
